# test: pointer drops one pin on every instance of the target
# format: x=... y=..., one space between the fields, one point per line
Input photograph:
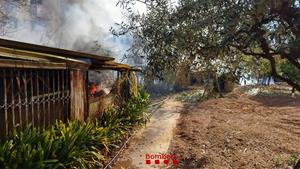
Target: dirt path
x=155 y=138
x=240 y=132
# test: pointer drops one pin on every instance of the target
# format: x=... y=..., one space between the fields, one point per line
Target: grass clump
x=192 y=96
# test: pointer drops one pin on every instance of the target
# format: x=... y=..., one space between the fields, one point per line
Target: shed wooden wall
x=78 y=95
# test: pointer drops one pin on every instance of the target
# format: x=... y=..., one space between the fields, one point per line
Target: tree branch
x=272 y=61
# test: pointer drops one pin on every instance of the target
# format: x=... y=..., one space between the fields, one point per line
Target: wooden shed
x=39 y=84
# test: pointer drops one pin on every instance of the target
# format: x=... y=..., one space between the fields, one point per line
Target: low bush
x=133 y=113
x=72 y=144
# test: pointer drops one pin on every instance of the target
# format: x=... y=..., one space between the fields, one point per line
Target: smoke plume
x=81 y=25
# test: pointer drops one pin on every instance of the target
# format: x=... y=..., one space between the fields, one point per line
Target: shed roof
x=50 y=50
x=24 y=53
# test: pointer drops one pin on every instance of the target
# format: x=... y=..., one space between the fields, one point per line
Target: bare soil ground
x=154 y=138
x=239 y=131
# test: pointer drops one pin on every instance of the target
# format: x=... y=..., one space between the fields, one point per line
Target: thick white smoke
x=72 y=24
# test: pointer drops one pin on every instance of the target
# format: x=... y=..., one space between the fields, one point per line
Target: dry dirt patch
x=239 y=132
x=155 y=138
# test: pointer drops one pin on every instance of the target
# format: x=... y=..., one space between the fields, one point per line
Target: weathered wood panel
x=78 y=95
x=9 y=63
x=98 y=105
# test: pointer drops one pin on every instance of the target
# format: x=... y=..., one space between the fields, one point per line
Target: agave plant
x=71 y=145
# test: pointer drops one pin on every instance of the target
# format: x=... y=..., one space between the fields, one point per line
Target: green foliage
x=71 y=145
x=292 y=160
x=255 y=67
x=134 y=112
x=136 y=108
x=290 y=71
x=74 y=144
x=193 y=96
x=213 y=35
x=289 y=161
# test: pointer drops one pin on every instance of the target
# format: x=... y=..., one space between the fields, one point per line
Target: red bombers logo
x=161 y=159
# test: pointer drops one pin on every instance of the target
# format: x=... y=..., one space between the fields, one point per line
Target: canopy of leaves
x=216 y=34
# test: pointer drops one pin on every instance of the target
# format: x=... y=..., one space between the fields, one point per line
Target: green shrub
x=71 y=145
x=136 y=108
x=133 y=113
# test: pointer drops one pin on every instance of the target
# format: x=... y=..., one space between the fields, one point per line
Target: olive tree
x=215 y=34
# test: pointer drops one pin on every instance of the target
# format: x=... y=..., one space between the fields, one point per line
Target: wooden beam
x=9 y=63
x=117 y=68
x=107 y=68
x=110 y=65
x=135 y=69
x=78 y=94
x=121 y=65
x=4 y=52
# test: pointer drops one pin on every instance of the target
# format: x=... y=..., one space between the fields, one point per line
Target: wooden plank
x=8 y=63
x=109 y=65
x=19 y=99
x=40 y=57
x=112 y=63
x=26 y=96
x=32 y=100
x=113 y=66
x=38 y=100
x=54 y=111
x=47 y=58
x=87 y=107
x=50 y=50
x=58 y=96
x=68 y=101
x=44 y=98
x=11 y=55
x=36 y=56
x=48 y=112
x=12 y=98
x=63 y=93
x=78 y=95
x=5 y=101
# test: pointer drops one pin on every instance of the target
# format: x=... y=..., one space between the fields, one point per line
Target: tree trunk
x=218 y=85
x=265 y=48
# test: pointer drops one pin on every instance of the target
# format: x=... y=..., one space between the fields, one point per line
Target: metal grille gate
x=32 y=96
